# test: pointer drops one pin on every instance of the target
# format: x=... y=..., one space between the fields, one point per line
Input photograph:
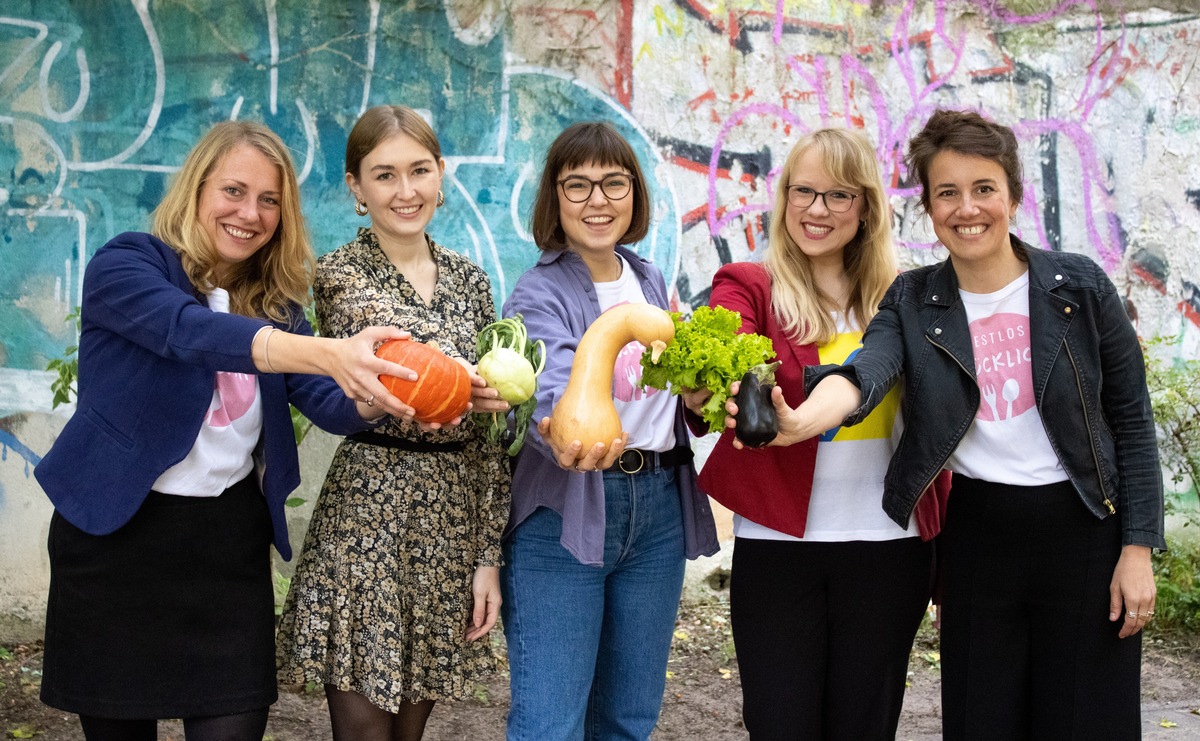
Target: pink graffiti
x=844 y=91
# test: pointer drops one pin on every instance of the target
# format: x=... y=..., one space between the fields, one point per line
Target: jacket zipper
x=928 y=483
x=1091 y=439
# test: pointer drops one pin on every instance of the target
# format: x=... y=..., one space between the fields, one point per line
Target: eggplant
x=757 y=421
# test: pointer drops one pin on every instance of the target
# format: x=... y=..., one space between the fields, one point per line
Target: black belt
x=400 y=443
x=636 y=460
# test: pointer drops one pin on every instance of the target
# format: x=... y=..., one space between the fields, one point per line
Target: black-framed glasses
x=837 y=201
x=614 y=186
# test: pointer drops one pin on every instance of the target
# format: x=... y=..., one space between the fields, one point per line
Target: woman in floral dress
x=398 y=579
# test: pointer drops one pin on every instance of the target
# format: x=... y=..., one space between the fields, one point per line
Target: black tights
x=354 y=718
x=248 y=726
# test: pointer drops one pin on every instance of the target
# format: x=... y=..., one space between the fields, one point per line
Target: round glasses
x=837 y=201
x=614 y=186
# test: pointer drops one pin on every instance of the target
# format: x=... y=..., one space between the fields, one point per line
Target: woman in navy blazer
x=170 y=479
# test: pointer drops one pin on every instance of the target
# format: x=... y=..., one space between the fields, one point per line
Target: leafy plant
x=707 y=352
x=280 y=584
x=66 y=368
x=1177 y=575
x=510 y=362
x=1174 y=386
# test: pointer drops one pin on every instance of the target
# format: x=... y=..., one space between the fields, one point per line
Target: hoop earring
x=360 y=208
x=441 y=198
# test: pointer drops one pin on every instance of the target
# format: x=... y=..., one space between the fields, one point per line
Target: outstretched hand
x=601 y=457
x=484 y=398
x=833 y=399
x=791 y=421
x=353 y=365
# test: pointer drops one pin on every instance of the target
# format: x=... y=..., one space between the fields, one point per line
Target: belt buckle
x=641 y=463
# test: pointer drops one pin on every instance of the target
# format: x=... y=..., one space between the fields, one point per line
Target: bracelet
x=267 y=350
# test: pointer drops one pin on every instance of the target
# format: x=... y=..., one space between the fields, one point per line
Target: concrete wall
x=99 y=102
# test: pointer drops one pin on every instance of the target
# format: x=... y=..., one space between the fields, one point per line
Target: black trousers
x=1028 y=651
x=823 y=632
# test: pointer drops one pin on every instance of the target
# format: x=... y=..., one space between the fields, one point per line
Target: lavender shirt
x=558 y=301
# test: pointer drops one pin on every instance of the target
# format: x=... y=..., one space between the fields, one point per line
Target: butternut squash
x=586 y=412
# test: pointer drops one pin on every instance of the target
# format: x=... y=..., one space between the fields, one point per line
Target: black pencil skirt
x=171 y=616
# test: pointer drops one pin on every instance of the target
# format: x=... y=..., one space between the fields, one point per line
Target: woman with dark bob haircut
x=1023 y=376
x=595 y=545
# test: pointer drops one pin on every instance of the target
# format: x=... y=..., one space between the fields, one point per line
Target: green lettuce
x=707 y=352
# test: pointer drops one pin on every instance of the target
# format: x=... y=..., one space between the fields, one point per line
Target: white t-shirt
x=648 y=414
x=221 y=456
x=1006 y=442
x=847 y=491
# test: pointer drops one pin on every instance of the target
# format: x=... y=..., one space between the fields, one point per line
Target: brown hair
x=381 y=122
x=869 y=258
x=965 y=132
x=594 y=142
x=277 y=277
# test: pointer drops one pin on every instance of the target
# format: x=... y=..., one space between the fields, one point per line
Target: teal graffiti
x=100 y=102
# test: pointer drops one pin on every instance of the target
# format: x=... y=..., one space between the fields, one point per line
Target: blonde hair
x=803 y=310
x=277 y=277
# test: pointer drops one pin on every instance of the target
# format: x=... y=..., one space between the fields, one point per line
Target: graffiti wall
x=99 y=103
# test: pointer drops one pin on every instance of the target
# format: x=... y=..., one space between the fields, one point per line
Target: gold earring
x=360 y=208
x=441 y=199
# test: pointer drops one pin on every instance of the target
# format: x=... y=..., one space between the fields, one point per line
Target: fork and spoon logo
x=1009 y=393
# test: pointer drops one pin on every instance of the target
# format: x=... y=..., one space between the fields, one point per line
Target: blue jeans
x=587 y=645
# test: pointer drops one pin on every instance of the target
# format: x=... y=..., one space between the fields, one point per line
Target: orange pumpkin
x=442 y=390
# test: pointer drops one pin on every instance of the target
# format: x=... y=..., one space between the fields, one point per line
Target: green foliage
x=301 y=425
x=1174 y=386
x=67 y=368
x=525 y=359
x=1177 y=575
x=707 y=352
x=281 y=586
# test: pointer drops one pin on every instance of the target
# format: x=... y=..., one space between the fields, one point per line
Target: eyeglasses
x=837 y=201
x=614 y=186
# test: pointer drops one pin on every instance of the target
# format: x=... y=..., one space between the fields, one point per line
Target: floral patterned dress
x=381 y=597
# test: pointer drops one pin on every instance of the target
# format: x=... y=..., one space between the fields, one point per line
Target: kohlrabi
x=510 y=363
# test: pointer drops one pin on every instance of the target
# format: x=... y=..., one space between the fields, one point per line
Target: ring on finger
x=1131 y=615
x=370 y=402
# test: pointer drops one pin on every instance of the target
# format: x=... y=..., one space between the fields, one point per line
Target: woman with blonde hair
x=169 y=481
x=1023 y=375
x=826 y=592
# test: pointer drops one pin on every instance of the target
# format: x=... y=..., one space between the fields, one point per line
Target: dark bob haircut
x=580 y=144
x=965 y=132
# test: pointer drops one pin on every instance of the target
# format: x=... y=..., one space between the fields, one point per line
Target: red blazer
x=772 y=486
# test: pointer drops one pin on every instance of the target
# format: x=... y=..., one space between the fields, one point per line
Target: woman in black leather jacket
x=1022 y=375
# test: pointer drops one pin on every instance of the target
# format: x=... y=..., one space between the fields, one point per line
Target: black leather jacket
x=1089 y=384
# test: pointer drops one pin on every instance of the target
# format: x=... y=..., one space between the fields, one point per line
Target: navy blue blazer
x=149 y=350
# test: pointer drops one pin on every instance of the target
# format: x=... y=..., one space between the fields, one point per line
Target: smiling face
x=594 y=226
x=820 y=233
x=399 y=181
x=970 y=205
x=239 y=205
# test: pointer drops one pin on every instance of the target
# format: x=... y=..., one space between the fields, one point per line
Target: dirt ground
x=702 y=700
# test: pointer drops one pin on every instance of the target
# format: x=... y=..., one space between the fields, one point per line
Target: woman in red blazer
x=169 y=480
x=826 y=591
